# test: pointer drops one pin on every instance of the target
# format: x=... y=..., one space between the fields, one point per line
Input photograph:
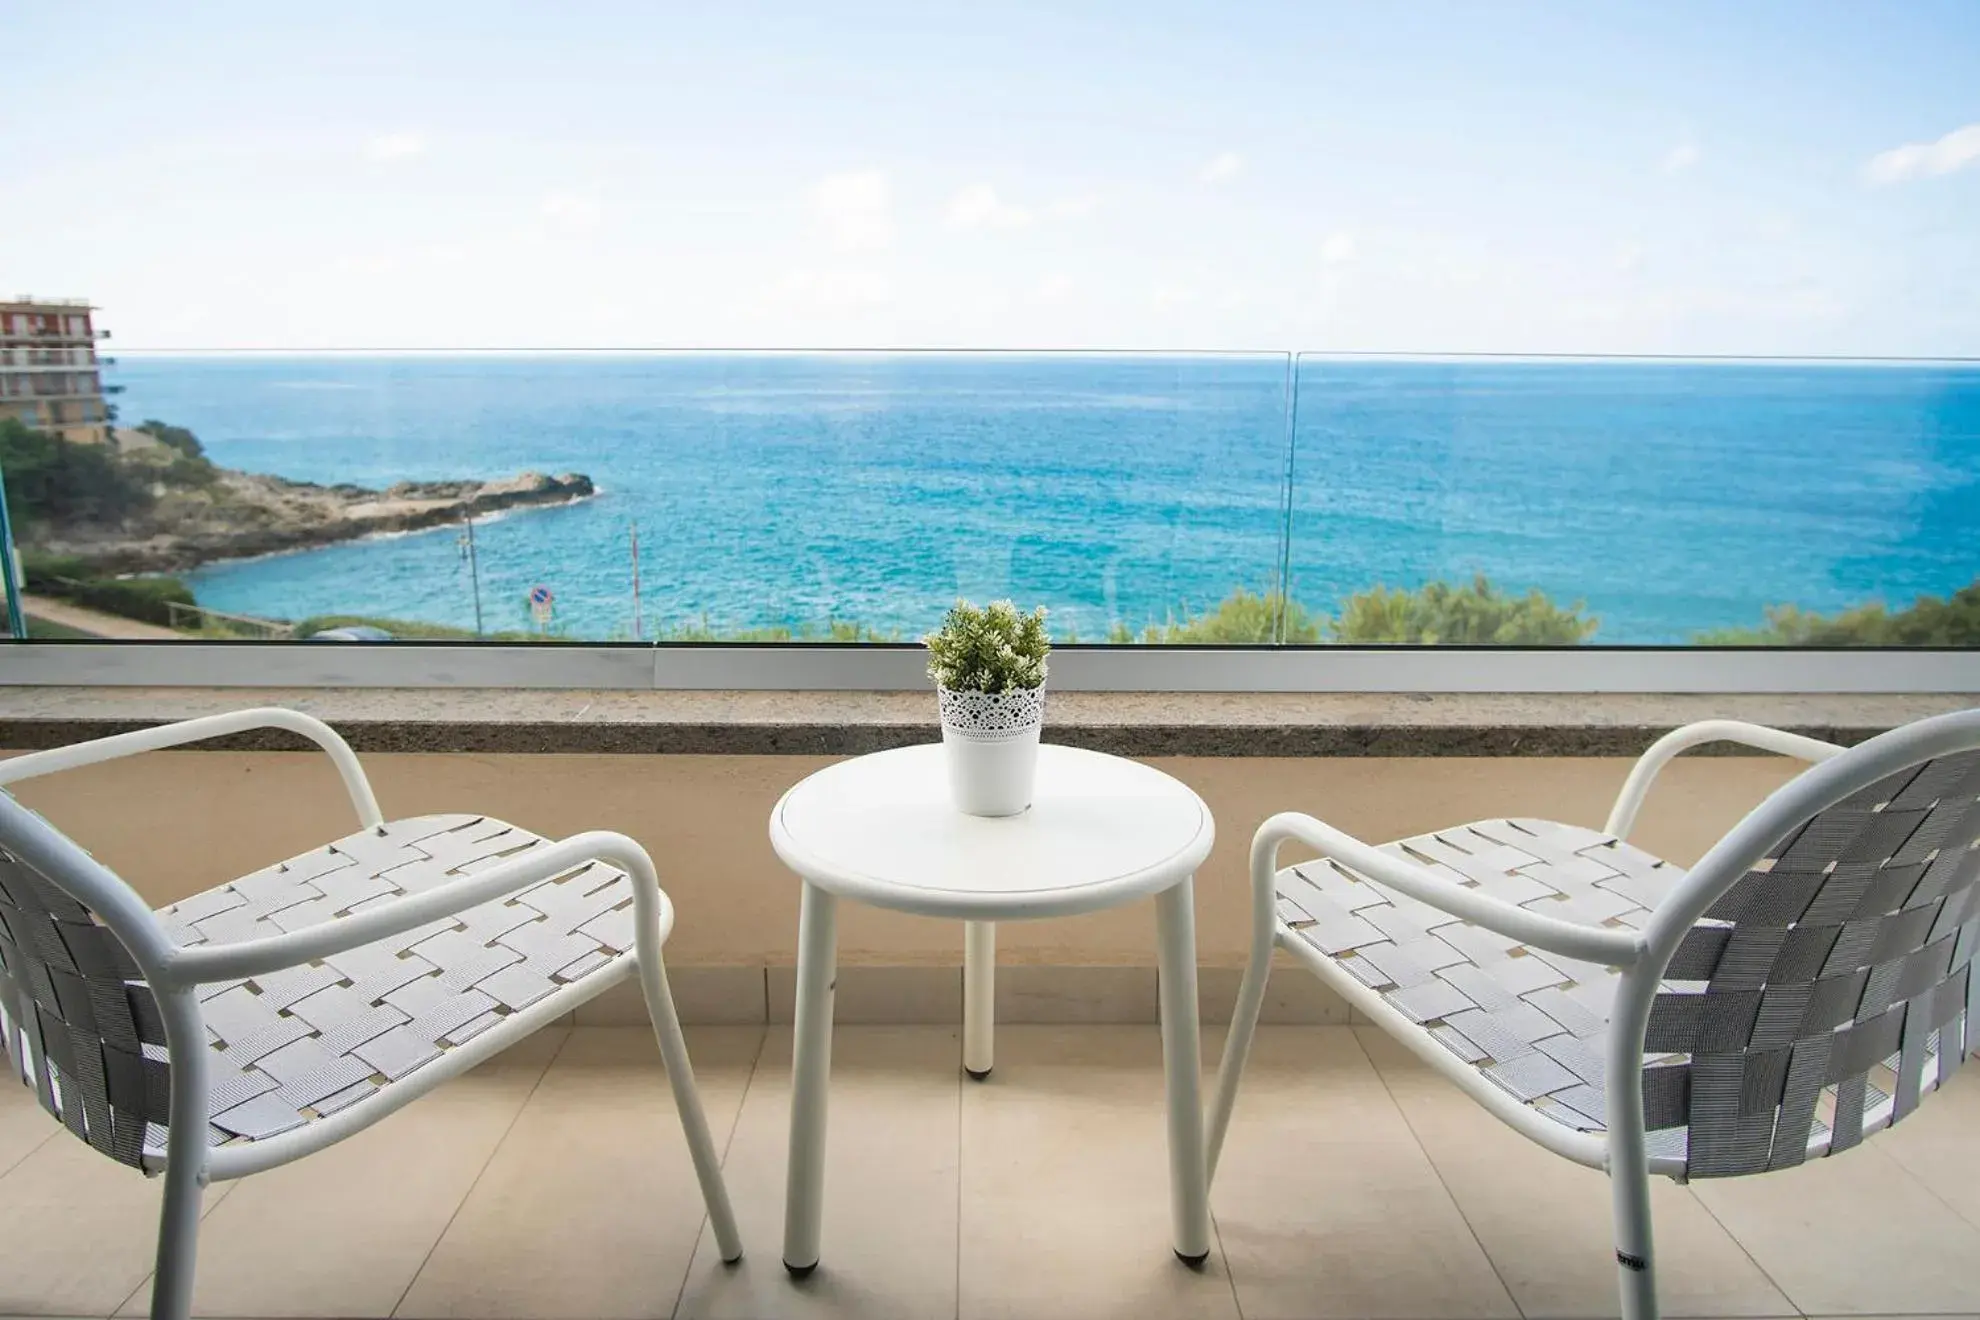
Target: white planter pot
x=993 y=748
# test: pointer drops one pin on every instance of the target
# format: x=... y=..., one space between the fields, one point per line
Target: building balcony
x=552 y=1181
x=40 y=337
x=16 y=360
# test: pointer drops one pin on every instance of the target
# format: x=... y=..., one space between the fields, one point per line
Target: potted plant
x=989 y=670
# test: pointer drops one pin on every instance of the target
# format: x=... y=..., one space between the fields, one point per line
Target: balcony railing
x=37 y=359
x=1227 y=500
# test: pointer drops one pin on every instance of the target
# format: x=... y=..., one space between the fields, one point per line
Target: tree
x=1927 y=621
x=1476 y=615
x=50 y=480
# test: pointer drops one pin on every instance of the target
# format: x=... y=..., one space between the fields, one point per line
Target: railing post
x=10 y=576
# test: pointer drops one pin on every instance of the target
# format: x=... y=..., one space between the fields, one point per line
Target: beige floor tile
x=590 y=1205
x=78 y=1231
x=1856 y=1233
x=1327 y=1205
x=1065 y=1195
x=1545 y=1221
x=889 y=1242
x=703 y=996
x=24 y=1124
x=1042 y=994
x=343 y=1232
x=1293 y=997
x=880 y=996
x=1939 y=1143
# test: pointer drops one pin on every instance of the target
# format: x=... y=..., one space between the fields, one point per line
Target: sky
x=1672 y=177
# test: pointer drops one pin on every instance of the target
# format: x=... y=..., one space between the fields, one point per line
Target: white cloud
x=1053 y=288
x=395 y=146
x=1076 y=208
x=835 y=287
x=1681 y=158
x=356 y=264
x=577 y=212
x=856 y=208
x=1226 y=165
x=1919 y=160
x=979 y=207
x=1630 y=258
x=1338 y=249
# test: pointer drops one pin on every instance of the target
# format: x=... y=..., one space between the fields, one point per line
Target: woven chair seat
x=1535 y=1023
x=303 y=1043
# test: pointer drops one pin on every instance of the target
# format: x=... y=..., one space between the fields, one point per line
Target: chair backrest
x=1833 y=983
x=78 y=1021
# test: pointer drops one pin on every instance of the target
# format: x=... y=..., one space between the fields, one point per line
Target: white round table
x=1101 y=831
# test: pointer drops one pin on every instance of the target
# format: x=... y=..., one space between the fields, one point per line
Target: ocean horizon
x=788 y=489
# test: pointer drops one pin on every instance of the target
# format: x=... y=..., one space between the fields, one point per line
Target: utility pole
x=635 y=569
x=474 y=572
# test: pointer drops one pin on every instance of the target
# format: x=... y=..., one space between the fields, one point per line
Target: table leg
x=979 y=997
x=811 y=1066
x=1189 y=1193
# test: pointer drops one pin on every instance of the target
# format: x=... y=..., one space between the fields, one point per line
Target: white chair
x=258 y=1022
x=1809 y=979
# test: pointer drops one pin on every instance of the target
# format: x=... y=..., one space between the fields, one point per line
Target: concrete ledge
x=849 y=723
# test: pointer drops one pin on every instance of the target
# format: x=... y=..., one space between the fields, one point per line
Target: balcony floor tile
x=553 y=1182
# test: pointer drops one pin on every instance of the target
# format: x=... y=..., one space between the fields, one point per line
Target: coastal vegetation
x=52 y=483
x=1438 y=613
x=1928 y=621
x=150 y=501
x=65 y=577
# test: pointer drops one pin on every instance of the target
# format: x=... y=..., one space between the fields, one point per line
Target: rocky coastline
x=240 y=515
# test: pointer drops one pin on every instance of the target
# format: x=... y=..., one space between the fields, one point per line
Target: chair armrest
x=201 y=964
x=1622 y=818
x=1611 y=948
x=80 y=754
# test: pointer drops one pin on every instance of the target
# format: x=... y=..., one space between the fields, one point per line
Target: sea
x=791 y=490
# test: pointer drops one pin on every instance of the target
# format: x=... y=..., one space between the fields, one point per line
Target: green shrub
x=1475 y=615
x=1241 y=619
x=1927 y=621
x=72 y=578
x=195 y=472
x=173 y=437
x=993 y=649
x=51 y=480
x=143 y=598
x=52 y=575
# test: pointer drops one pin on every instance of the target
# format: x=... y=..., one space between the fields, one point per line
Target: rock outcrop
x=240 y=514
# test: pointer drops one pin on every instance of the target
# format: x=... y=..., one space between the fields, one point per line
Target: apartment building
x=50 y=376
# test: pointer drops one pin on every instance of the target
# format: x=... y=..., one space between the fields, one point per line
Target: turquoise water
x=790 y=489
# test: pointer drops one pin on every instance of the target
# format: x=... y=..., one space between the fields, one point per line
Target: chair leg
x=1636 y=1267
x=178 y=1239
x=687 y=1100
x=682 y=1077
x=1251 y=996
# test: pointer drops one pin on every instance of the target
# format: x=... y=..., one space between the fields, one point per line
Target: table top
x=1101 y=830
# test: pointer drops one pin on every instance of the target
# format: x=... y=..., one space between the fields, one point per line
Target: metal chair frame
x=1642 y=955
x=173 y=972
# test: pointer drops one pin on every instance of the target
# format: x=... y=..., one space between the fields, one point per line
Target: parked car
x=357 y=632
